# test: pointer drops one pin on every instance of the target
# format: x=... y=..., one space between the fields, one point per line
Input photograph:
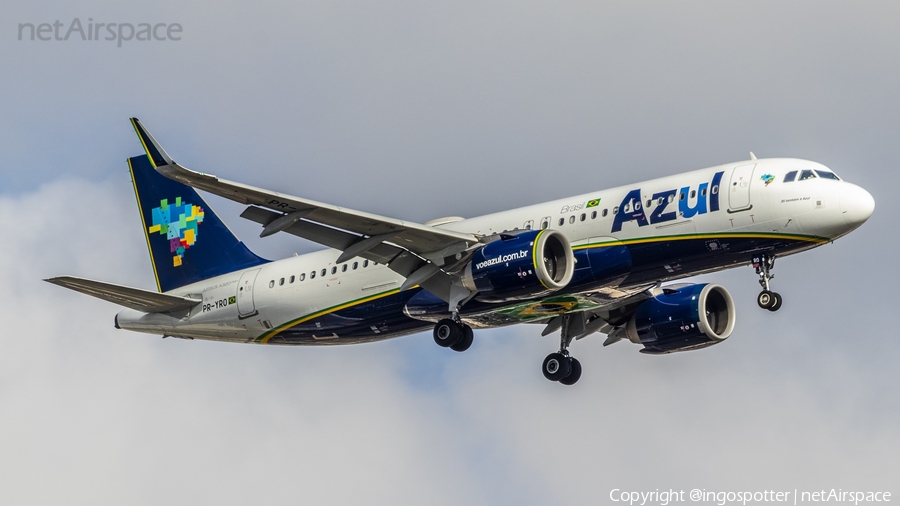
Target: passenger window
x=365 y=264
x=302 y=276
x=693 y=193
x=790 y=176
x=660 y=201
x=312 y=275
x=355 y=265
x=562 y=221
x=671 y=198
x=703 y=192
x=681 y=197
x=344 y=268
x=334 y=270
x=583 y=216
x=593 y=215
x=824 y=174
x=292 y=279
x=806 y=174
x=604 y=213
x=324 y=272
x=649 y=203
x=281 y=282
x=572 y=219
x=715 y=189
x=637 y=205
x=272 y=284
x=616 y=210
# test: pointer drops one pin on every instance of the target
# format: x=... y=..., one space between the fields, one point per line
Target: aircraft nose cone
x=856 y=205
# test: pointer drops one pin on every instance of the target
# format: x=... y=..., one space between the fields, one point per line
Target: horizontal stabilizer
x=132 y=298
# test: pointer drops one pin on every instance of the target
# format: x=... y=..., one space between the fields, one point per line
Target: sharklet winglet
x=158 y=156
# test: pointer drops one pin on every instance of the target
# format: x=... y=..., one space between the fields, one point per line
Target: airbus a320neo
x=595 y=262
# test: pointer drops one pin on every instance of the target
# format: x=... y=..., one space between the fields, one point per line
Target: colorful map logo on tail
x=178 y=222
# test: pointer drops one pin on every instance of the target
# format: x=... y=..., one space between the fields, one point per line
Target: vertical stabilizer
x=187 y=241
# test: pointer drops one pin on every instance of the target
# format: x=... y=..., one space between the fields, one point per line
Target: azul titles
x=663 y=204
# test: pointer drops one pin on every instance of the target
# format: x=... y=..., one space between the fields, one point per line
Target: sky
x=418 y=110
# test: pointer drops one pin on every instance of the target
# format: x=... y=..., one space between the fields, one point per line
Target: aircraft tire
x=777 y=304
x=556 y=366
x=447 y=333
x=766 y=299
x=574 y=373
x=466 y=341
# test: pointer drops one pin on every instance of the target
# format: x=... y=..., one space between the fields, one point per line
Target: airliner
x=603 y=262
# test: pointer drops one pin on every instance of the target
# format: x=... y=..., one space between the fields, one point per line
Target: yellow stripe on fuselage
x=721 y=235
x=272 y=333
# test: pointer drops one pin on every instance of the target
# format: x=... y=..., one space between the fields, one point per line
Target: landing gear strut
x=560 y=366
x=453 y=334
x=766 y=299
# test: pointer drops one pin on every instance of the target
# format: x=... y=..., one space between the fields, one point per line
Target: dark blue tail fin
x=187 y=241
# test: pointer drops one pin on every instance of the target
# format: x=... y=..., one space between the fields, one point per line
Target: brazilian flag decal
x=232 y=300
x=593 y=203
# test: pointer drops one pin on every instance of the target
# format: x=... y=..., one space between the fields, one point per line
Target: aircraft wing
x=406 y=247
x=611 y=319
x=133 y=298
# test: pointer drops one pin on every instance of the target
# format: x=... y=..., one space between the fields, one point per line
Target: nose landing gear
x=766 y=299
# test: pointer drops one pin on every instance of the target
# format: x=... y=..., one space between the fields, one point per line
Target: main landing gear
x=766 y=299
x=453 y=334
x=560 y=366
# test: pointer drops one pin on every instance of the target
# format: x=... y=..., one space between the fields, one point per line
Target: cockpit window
x=790 y=176
x=806 y=174
x=824 y=174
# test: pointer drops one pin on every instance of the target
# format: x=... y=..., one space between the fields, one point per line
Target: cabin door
x=246 y=306
x=739 y=189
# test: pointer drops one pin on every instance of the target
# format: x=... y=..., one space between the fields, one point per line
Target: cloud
x=95 y=415
x=91 y=414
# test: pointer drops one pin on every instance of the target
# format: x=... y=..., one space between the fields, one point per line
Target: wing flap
x=331 y=237
x=132 y=298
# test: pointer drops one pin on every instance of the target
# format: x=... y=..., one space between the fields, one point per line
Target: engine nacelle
x=683 y=318
x=520 y=265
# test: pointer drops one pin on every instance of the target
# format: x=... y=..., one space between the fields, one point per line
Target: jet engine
x=683 y=318
x=520 y=265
